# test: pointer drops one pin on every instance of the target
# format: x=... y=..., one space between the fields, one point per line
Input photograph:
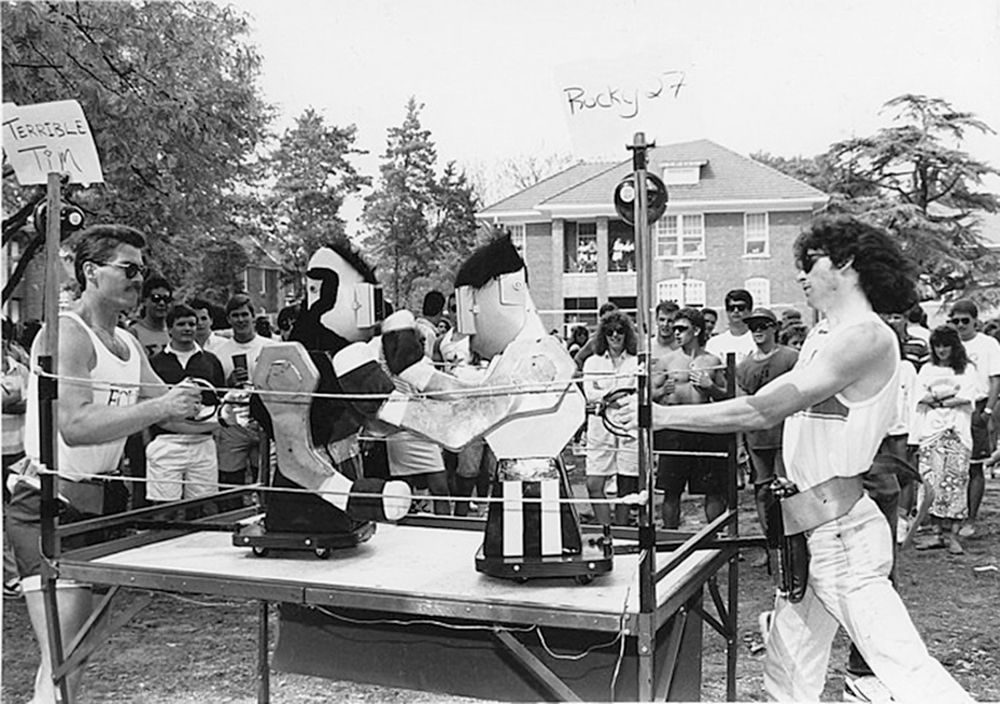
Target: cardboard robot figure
x=527 y=408
x=316 y=437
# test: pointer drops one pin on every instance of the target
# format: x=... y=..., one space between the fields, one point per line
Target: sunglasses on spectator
x=159 y=297
x=617 y=332
x=811 y=258
x=758 y=327
x=681 y=328
x=960 y=321
x=131 y=269
x=737 y=307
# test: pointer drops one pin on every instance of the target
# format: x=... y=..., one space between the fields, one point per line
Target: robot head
x=493 y=303
x=342 y=291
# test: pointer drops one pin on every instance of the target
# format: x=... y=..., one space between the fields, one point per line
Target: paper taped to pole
x=50 y=138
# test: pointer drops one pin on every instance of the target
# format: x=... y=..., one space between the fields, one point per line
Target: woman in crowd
x=578 y=338
x=942 y=430
x=612 y=366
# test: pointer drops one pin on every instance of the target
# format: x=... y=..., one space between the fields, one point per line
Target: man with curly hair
x=837 y=404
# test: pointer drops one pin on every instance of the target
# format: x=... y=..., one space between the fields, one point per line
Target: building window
x=621 y=246
x=681 y=236
x=581 y=247
x=683 y=292
x=580 y=311
x=626 y=304
x=517 y=237
x=756 y=237
x=760 y=289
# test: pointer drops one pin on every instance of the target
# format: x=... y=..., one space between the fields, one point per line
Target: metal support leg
x=263 y=663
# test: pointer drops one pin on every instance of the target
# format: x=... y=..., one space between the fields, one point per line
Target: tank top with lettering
x=836 y=437
x=116 y=383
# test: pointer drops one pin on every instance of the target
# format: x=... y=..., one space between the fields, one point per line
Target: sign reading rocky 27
x=50 y=137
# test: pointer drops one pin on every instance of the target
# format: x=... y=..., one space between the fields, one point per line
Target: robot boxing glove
x=358 y=372
x=381 y=500
x=402 y=349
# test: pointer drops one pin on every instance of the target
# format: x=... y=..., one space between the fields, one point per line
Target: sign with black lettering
x=50 y=137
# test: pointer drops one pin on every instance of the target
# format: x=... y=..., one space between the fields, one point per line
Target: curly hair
x=887 y=277
x=947 y=336
x=613 y=321
x=697 y=320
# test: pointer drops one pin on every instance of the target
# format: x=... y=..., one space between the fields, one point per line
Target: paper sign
x=50 y=137
x=606 y=102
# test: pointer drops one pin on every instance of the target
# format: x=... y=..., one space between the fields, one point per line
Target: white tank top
x=836 y=437
x=116 y=383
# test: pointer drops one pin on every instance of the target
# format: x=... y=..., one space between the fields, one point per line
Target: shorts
x=764 y=464
x=238 y=449
x=24 y=524
x=980 y=433
x=701 y=475
x=181 y=467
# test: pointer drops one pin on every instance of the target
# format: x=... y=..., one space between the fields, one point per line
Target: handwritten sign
x=50 y=137
x=606 y=102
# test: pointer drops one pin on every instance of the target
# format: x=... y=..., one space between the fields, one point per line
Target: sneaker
x=865 y=689
x=764 y=625
x=967 y=531
x=902 y=529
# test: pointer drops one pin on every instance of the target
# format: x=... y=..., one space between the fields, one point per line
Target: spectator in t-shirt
x=151 y=328
x=769 y=361
x=737 y=339
x=588 y=349
x=183 y=465
x=239 y=445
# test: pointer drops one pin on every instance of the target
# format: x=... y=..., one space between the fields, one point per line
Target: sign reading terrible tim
x=615 y=99
x=50 y=137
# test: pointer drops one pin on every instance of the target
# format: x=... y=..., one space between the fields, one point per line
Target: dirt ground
x=187 y=649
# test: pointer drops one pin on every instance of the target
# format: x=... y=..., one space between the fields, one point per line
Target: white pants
x=172 y=459
x=849 y=586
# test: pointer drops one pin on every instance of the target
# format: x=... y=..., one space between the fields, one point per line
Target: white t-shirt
x=722 y=344
x=984 y=352
x=244 y=354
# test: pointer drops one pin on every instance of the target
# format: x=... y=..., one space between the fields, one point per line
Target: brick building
x=730 y=222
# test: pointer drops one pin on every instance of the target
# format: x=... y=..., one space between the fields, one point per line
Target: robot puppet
x=316 y=437
x=527 y=407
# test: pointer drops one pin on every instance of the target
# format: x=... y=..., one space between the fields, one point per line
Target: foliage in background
x=170 y=92
x=419 y=226
x=311 y=175
x=914 y=179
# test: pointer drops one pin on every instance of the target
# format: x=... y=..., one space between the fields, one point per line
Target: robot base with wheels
x=256 y=536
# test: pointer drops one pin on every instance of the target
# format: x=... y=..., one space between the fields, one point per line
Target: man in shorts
x=121 y=396
x=689 y=375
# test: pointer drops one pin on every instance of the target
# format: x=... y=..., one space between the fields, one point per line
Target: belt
x=820 y=504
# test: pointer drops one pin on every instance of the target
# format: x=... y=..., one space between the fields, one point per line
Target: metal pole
x=734 y=529
x=647 y=527
x=263 y=665
x=48 y=392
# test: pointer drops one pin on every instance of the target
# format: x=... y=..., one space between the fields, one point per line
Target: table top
x=406 y=569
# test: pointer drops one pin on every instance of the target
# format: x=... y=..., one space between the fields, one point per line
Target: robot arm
x=284 y=376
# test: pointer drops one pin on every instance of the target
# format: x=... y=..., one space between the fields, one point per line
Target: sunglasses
x=737 y=307
x=131 y=269
x=616 y=333
x=960 y=321
x=810 y=259
x=681 y=328
x=158 y=297
x=759 y=327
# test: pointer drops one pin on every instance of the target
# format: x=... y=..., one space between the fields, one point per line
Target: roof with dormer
x=726 y=177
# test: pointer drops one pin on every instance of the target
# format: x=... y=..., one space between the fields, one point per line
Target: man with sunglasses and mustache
x=107 y=391
x=984 y=353
x=837 y=405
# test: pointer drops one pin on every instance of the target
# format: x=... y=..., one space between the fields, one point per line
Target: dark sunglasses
x=758 y=327
x=737 y=307
x=159 y=297
x=960 y=321
x=131 y=269
x=681 y=328
x=615 y=332
x=810 y=259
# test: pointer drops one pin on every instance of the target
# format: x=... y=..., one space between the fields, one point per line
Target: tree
x=169 y=91
x=513 y=174
x=454 y=228
x=400 y=238
x=312 y=176
x=913 y=179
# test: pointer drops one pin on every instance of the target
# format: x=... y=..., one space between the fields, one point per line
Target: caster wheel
x=260 y=552
x=583 y=579
x=322 y=553
x=521 y=580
